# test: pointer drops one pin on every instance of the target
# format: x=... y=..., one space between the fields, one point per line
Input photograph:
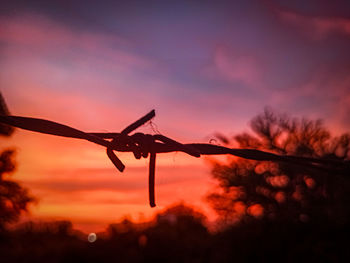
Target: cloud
x=85 y=79
x=49 y=67
x=317 y=27
x=97 y=179
x=235 y=67
x=40 y=34
x=323 y=95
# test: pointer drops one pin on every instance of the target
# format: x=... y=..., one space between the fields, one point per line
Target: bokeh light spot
x=92 y=237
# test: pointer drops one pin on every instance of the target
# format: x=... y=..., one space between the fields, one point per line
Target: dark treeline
x=267 y=211
x=178 y=235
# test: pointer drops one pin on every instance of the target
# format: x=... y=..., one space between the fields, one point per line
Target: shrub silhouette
x=14 y=199
x=250 y=190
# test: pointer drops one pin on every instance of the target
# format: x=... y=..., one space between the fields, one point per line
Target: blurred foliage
x=14 y=199
x=250 y=190
x=177 y=234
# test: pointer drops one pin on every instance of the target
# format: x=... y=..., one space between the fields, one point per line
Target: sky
x=204 y=66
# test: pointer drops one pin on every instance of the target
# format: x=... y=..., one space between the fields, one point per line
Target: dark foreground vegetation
x=179 y=236
x=267 y=211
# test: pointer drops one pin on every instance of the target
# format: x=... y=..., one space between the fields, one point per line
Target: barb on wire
x=142 y=145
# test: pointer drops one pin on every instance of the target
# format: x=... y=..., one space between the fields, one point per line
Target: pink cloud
x=47 y=67
x=327 y=81
x=42 y=35
x=236 y=67
x=316 y=26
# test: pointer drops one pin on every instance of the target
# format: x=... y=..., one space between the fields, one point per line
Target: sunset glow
x=204 y=69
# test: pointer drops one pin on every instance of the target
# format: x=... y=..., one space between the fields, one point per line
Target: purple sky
x=205 y=66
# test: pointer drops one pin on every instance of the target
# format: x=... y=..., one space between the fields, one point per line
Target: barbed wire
x=144 y=145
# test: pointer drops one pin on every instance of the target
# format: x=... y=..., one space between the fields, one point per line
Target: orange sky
x=203 y=68
x=74 y=180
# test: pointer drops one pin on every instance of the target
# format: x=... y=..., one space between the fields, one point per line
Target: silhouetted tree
x=283 y=191
x=14 y=199
x=179 y=235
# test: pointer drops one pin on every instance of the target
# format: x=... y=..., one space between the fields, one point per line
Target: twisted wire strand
x=142 y=145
